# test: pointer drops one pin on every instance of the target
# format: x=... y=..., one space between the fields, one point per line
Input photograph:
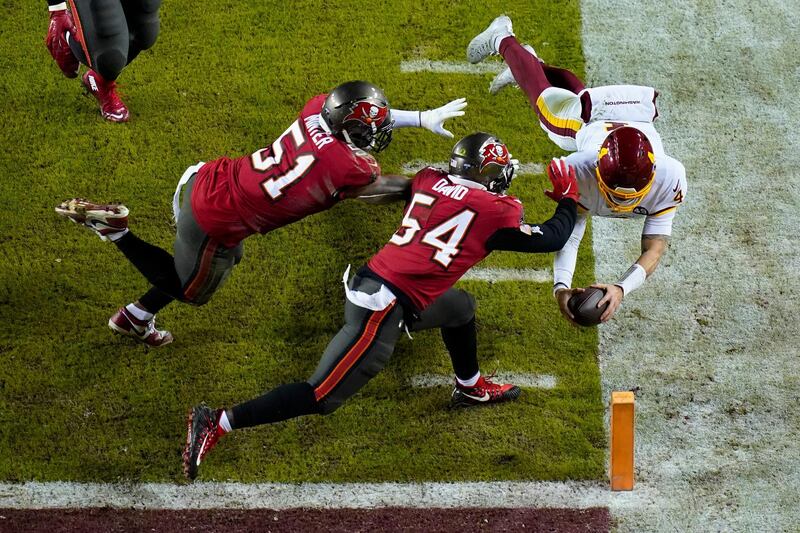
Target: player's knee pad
x=329 y=405
x=196 y=301
x=145 y=34
x=149 y=6
x=465 y=308
x=238 y=254
x=109 y=63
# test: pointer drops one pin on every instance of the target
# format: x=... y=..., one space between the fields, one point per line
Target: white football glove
x=433 y=119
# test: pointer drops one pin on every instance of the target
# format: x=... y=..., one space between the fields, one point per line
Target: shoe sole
x=187 y=449
x=79 y=215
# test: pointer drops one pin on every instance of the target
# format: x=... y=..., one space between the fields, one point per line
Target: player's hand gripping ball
x=583 y=306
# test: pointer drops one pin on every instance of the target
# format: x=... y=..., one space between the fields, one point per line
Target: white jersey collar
x=466 y=183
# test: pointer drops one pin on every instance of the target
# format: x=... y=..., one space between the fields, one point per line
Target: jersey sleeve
x=362 y=169
x=313 y=106
x=510 y=212
x=660 y=221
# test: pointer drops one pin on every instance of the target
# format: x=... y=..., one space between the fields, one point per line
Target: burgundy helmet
x=625 y=168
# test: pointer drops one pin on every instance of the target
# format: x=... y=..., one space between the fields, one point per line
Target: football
x=584 y=306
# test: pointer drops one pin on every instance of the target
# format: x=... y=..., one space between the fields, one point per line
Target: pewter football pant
x=199 y=267
x=113 y=32
x=365 y=344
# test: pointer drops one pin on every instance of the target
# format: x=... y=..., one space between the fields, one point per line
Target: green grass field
x=226 y=78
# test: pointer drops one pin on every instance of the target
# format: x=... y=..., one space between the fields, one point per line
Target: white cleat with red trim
x=124 y=323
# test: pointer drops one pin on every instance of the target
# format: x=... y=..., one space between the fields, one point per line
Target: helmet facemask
x=370 y=137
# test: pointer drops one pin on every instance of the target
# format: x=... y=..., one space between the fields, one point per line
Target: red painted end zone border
x=336 y=520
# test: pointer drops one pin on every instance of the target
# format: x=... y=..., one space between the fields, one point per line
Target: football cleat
x=61 y=23
x=202 y=434
x=111 y=107
x=506 y=78
x=103 y=219
x=124 y=323
x=485 y=391
x=485 y=44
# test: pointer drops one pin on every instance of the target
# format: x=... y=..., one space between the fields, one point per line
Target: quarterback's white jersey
x=658 y=207
x=584 y=120
x=580 y=123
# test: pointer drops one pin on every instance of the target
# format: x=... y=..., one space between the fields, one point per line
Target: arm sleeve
x=565 y=259
x=660 y=224
x=547 y=237
x=406 y=119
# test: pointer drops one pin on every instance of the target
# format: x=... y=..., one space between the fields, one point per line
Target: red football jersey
x=305 y=171
x=443 y=234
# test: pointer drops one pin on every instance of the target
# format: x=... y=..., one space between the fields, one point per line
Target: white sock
x=139 y=313
x=499 y=39
x=224 y=423
x=469 y=382
x=113 y=237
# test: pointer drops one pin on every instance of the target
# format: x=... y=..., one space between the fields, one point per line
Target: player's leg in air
x=551 y=91
x=199 y=267
x=356 y=354
x=104 y=35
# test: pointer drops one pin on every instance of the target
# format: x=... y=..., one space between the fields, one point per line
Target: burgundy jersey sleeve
x=300 y=173
x=444 y=231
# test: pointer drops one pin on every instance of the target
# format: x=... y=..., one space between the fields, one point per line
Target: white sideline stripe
x=415 y=165
x=492 y=275
x=212 y=495
x=450 y=67
x=537 y=381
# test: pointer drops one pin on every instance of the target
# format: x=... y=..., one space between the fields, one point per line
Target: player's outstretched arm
x=384 y=190
x=546 y=237
x=653 y=248
x=432 y=119
x=553 y=234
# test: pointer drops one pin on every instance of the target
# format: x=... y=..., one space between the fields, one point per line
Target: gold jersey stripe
x=664 y=211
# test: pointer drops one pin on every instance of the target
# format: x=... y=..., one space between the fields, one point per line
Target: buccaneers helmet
x=358 y=113
x=625 y=168
x=483 y=158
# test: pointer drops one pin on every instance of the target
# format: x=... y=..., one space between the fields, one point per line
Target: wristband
x=58 y=7
x=559 y=285
x=632 y=279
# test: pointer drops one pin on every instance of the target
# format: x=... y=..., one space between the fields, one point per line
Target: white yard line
x=493 y=275
x=450 y=67
x=415 y=165
x=712 y=338
x=200 y=495
x=534 y=381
